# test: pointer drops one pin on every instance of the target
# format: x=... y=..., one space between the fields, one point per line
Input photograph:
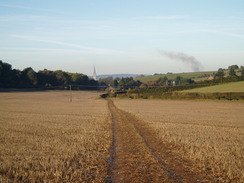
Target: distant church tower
x=94 y=74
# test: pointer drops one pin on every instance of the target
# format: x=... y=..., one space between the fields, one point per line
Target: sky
x=122 y=36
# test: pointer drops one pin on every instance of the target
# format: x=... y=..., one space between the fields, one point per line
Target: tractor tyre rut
x=137 y=155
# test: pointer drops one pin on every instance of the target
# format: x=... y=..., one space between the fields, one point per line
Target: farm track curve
x=137 y=155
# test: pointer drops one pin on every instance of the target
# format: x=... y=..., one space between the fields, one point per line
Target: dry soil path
x=137 y=156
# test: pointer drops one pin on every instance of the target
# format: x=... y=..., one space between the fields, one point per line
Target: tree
x=116 y=83
x=93 y=82
x=190 y=81
x=122 y=83
x=233 y=66
x=128 y=82
x=161 y=81
x=63 y=78
x=1 y=69
x=75 y=79
x=242 y=71
x=166 y=78
x=6 y=75
x=32 y=76
x=220 y=73
x=28 y=78
x=178 y=80
x=47 y=78
x=232 y=72
x=16 y=75
x=106 y=81
x=134 y=84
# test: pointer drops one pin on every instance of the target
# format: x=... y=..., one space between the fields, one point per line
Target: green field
x=197 y=76
x=221 y=88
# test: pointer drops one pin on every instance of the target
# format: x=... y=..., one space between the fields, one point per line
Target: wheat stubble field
x=46 y=138
x=210 y=134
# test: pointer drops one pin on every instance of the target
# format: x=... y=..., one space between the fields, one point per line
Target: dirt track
x=137 y=155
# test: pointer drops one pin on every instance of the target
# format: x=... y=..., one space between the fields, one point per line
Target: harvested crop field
x=46 y=138
x=209 y=134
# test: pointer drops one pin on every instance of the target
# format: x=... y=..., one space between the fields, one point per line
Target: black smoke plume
x=186 y=59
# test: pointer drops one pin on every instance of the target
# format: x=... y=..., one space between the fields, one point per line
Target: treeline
x=164 y=81
x=120 y=83
x=28 y=78
x=157 y=91
x=222 y=75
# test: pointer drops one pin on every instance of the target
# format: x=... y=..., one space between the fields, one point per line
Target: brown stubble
x=44 y=137
x=133 y=160
x=210 y=134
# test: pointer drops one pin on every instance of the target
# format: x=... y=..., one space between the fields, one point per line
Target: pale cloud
x=25 y=7
x=46 y=51
x=160 y=17
x=224 y=33
x=22 y=18
x=38 y=50
x=70 y=45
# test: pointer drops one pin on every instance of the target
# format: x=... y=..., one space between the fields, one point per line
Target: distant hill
x=117 y=75
x=196 y=76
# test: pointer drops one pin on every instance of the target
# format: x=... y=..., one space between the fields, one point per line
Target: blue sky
x=126 y=36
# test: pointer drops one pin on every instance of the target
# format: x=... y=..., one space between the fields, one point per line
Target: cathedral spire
x=94 y=74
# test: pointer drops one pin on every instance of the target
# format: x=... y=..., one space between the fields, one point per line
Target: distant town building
x=210 y=78
x=94 y=74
